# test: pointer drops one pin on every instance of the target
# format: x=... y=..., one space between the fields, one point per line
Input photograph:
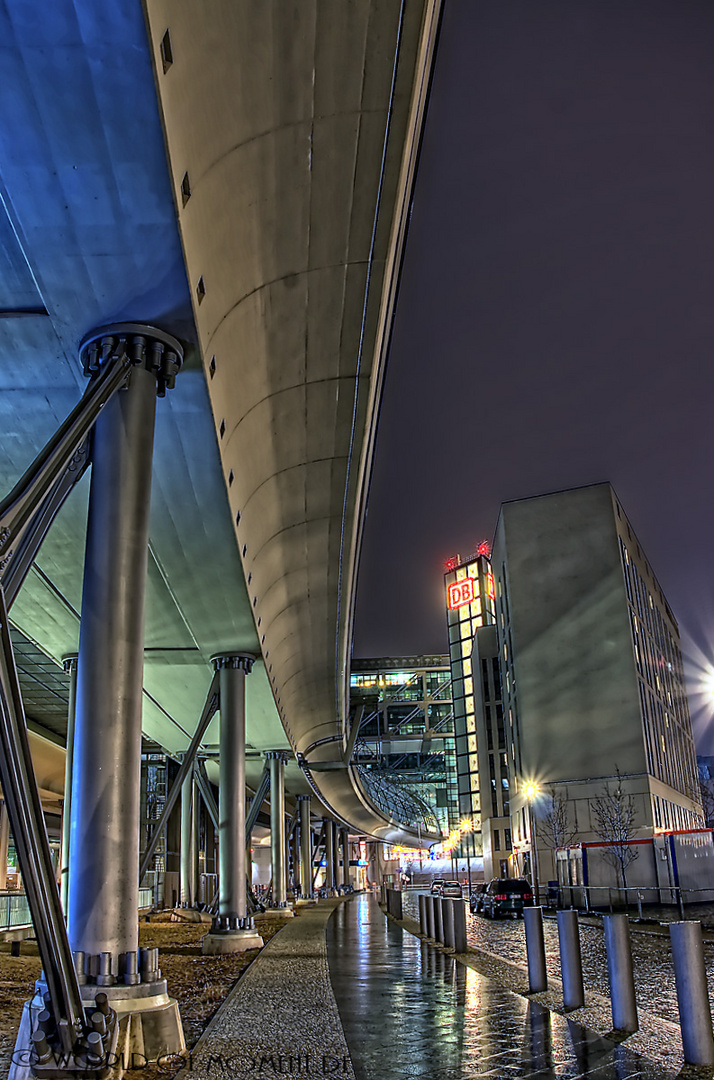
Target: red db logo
x=461 y=593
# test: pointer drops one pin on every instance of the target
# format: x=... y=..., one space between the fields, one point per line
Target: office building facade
x=592 y=673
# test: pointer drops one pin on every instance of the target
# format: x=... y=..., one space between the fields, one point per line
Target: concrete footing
x=276 y=913
x=220 y=944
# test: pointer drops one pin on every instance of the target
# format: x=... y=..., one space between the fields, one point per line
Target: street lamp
x=454 y=840
x=466 y=826
x=531 y=791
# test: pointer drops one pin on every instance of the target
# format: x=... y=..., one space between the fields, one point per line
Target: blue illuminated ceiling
x=88 y=236
x=300 y=131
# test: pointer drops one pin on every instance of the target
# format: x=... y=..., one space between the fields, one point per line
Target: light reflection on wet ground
x=651 y=956
x=408 y=1010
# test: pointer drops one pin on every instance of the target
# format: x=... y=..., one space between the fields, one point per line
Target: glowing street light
x=531 y=791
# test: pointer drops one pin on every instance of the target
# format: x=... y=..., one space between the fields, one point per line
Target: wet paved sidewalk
x=410 y=1011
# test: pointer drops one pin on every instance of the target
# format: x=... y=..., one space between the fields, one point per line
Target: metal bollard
x=397 y=905
x=535 y=949
x=692 y=996
x=459 y=911
x=619 y=972
x=438 y=921
x=570 y=963
x=422 y=915
x=447 y=921
x=430 y=927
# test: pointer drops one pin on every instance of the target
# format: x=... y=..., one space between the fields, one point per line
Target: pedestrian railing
x=14 y=912
x=599 y=898
x=146 y=899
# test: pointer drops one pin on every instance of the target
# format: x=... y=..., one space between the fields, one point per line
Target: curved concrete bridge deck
x=342 y=992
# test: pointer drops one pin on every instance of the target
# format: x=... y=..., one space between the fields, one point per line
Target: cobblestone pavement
x=651 y=955
x=499 y=952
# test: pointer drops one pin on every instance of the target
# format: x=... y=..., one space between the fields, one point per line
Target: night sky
x=555 y=324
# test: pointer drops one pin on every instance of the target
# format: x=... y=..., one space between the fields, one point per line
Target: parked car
x=476 y=898
x=506 y=896
x=452 y=889
x=436 y=886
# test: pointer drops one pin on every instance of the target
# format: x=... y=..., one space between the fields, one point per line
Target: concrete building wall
x=592 y=672
x=494 y=773
x=556 y=561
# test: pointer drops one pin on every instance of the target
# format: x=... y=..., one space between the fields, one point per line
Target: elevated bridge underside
x=238 y=175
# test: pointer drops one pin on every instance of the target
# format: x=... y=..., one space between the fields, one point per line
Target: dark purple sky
x=555 y=324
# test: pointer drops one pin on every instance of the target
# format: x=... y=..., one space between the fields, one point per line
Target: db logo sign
x=461 y=593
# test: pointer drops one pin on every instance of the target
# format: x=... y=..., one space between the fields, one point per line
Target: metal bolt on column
x=620 y=974
x=692 y=996
x=535 y=949
x=570 y=960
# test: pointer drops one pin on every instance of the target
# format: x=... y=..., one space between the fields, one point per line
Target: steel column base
x=149 y=1026
x=233 y=942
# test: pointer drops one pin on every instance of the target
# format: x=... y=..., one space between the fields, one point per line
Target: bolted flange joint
x=233 y=660
x=144 y=346
x=231 y=924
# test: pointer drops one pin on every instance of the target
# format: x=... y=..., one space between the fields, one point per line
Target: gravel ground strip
x=281 y=1017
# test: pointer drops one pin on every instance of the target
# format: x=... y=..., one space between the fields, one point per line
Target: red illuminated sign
x=490 y=587
x=461 y=593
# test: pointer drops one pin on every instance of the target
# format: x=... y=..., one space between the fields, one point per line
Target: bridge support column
x=189 y=842
x=278 y=858
x=106 y=769
x=345 y=839
x=233 y=930
x=330 y=880
x=70 y=666
x=306 y=870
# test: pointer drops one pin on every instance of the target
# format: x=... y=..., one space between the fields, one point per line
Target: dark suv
x=506 y=896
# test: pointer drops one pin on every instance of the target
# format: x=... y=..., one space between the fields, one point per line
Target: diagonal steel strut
x=209 y=710
x=28 y=829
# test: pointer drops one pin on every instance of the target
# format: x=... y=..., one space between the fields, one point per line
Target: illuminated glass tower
x=470 y=604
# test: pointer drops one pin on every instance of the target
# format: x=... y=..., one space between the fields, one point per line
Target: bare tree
x=614 y=813
x=706 y=798
x=554 y=826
